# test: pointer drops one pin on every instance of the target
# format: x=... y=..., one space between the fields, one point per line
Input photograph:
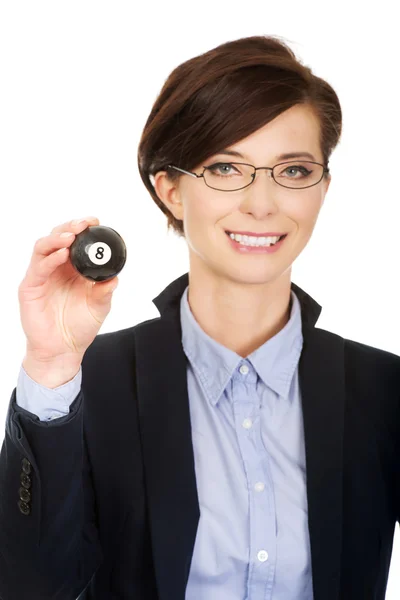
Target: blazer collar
x=168 y=301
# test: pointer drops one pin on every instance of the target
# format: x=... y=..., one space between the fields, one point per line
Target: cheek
x=202 y=214
x=305 y=212
x=203 y=227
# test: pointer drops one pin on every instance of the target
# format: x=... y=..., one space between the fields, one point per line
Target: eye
x=222 y=169
x=303 y=170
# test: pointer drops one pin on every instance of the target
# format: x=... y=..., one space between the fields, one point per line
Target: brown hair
x=220 y=97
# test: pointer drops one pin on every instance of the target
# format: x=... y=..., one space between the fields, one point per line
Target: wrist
x=51 y=372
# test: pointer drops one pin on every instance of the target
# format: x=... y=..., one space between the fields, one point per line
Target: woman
x=228 y=449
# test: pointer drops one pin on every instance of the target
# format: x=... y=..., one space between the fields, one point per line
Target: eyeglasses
x=233 y=176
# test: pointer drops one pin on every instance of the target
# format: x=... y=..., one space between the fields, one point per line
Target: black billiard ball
x=98 y=253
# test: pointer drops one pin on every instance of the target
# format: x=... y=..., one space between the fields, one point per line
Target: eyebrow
x=278 y=157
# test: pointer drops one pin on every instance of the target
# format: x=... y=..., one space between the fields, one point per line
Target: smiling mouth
x=228 y=233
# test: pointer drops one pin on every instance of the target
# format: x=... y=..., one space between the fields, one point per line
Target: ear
x=169 y=193
x=327 y=183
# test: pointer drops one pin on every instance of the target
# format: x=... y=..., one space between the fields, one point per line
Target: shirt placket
x=262 y=515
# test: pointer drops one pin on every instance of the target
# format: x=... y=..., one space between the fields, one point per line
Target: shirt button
x=262 y=555
x=247 y=423
x=244 y=369
x=259 y=486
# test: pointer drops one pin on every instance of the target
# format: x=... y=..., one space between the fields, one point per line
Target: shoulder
x=367 y=361
x=114 y=346
x=372 y=356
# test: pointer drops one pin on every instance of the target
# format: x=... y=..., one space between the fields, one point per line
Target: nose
x=264 y=183
x=269 y=172
x=260 y=197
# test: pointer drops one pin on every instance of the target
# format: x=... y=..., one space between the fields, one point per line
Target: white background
x=78 y=80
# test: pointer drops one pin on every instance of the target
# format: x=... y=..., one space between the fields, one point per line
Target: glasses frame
x=192 y=174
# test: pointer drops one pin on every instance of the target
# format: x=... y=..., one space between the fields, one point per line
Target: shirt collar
x=305 y=312
x=275 y=361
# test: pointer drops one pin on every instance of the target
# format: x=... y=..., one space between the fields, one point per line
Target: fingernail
x=66 y=234
x=78 y=221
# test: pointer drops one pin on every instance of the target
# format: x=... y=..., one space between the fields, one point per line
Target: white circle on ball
x=99 y=253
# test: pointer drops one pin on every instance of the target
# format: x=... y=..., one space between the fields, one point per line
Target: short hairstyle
x=222 y=96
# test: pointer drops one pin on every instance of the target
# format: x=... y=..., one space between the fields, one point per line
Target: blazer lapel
x=169 y=467
x=322 y=385
x=167 y=454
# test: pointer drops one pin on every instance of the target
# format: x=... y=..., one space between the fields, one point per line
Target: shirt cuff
x=46 y=403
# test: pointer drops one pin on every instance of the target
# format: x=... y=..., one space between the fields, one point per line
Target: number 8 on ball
x=99 y=253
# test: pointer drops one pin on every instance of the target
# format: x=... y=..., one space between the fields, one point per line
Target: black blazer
x=112 y=510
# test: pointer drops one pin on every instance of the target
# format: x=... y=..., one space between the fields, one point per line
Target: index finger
x=74 y=226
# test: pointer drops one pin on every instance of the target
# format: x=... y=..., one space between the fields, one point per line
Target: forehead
x=296 y=129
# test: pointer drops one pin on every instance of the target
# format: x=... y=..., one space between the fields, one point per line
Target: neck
x=240 y=316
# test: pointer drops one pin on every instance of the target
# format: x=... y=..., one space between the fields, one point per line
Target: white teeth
x=247 y=240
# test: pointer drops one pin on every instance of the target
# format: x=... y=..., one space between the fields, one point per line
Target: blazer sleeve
x=49 y=541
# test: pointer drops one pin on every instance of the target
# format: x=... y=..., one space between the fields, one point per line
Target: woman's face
x=264 y=206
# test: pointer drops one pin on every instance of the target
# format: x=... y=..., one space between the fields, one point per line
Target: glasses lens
x=298 y=174
x=234 y=176
x=228 y=176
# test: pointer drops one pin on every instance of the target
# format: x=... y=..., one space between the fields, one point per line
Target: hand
x=61 y=311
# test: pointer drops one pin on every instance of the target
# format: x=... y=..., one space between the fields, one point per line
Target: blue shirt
x=252 y=541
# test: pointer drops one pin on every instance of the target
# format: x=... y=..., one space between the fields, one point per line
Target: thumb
x=103 y=290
